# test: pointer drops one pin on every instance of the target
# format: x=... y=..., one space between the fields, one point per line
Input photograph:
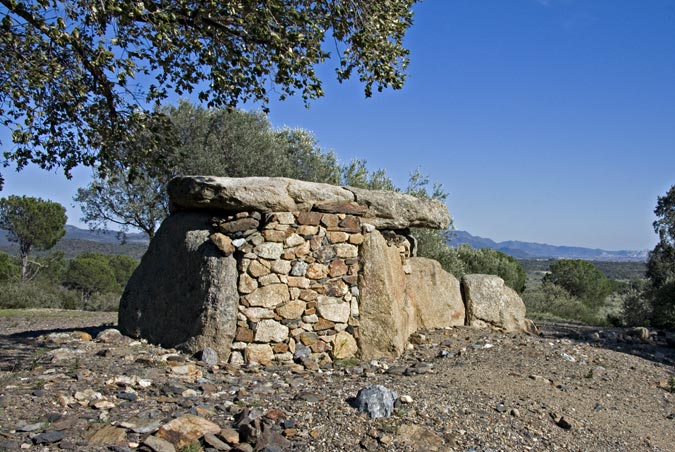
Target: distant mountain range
x=530 y=250
x=79 y=240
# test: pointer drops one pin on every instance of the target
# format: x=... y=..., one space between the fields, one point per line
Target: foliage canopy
x=83 y=77
x=32 y=223
x=661 y=261
x=581 y=279
x=216 y=142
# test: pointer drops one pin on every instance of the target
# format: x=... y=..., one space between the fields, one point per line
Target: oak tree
x=81 y=78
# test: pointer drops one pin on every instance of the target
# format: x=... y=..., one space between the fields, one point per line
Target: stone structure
x=276 y=270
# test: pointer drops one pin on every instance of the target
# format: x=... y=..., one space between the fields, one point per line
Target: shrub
x=581 y=279
x=552 y=302
x=106 y=302
x=29 y=294
x=90 y=273
x=9 y=269
x=122 y=267
x=465 y=260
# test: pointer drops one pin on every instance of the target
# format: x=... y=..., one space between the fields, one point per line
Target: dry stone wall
x=298 y=284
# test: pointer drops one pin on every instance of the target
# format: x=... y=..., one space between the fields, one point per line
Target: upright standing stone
x=184 y=292
x=386 y=317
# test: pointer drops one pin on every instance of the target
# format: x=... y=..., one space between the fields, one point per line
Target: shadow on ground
x=657 y=349
x=22 y=351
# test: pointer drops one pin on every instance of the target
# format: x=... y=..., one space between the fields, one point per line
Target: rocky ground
x=68 y=382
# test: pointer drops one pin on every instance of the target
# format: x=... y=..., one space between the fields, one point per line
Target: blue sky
x=546 y=120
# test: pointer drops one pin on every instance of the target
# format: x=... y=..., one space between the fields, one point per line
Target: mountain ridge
x=533 y=250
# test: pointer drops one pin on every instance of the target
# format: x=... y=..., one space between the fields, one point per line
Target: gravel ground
x=70 y=383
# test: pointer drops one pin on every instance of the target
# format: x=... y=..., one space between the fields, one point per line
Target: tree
x=661 y=261
x=122 y=267
x=210 y=141
x=356 y=174
x=91 y=273
x=664 y=225
x=661 y=264
x=581 y=279
x=33 y=223
x=82 y=78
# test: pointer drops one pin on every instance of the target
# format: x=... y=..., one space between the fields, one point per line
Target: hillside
x=77 y=241
x=531 y=250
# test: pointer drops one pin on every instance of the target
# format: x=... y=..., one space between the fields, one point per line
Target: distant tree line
x=635 y=295
x=89 y=281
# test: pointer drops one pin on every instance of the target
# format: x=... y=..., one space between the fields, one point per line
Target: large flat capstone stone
x=381 y=208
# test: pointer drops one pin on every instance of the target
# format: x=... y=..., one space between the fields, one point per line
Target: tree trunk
x=24 y=267
x=24 y=249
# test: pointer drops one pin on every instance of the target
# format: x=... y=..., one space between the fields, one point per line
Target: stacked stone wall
x=298 y=284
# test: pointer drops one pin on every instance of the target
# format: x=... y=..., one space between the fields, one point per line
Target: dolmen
x=276 y=270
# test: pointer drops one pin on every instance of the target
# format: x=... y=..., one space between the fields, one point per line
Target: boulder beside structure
x=489 y=302
x=278 y=270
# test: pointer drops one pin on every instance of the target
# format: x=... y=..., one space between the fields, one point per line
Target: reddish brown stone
x=244 y=335
x=318 y=288
x=356 y=239
x=306 y=230
x=329 y=220
x=336 y=288
x=276 y=414
x=315 y=243
x=290 y=432
x=308 y=295
x=309 y=218
x=243 y=224
x=280 y=348
x=349 y=207
x=272 y=235
x=309 y=311
x=337 y=268
x=316 y=271
x=302 y=250
x=351 y=224
x=289 y=254
x=320 y=347
x=323 y=324
x=311 y=305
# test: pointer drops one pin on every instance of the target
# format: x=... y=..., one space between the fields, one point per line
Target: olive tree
x=216 y=142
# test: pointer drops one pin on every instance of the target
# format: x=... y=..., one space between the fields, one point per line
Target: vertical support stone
x=184 y=292
x=387 y=318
